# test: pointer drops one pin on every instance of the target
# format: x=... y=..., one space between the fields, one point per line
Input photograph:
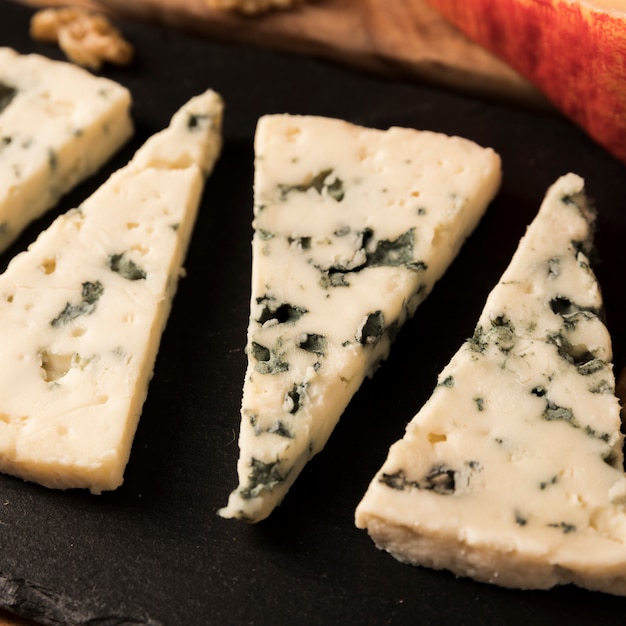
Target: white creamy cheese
x=352 y=228
x=58 y=125
x=83 y=309
x=512 y=473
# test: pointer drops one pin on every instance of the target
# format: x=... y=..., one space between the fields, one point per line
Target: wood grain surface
x=405 y=38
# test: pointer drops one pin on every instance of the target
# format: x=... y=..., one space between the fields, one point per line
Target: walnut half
x=87 y=39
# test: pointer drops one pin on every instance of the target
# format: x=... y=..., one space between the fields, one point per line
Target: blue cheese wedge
x=352 y=227
x=58 y=125
x=512 y=471
x=82 y=310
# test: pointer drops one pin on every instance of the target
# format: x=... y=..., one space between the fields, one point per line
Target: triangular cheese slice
x=352 y=228
x=83 y=309
x=58 y=125
x=512 y=472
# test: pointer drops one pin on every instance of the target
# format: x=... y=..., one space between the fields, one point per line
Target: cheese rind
x=82 y=310
x=352 y=228
x=512 y=472
x=58 y=125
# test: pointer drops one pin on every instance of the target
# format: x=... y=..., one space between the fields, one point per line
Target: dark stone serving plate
x=155 y=551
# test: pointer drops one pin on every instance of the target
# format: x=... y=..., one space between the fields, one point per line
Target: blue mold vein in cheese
x=352 y=228
x=512 y=472
x=58 y=125
x=82 y=310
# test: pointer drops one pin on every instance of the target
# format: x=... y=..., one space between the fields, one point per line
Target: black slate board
x=155 y=552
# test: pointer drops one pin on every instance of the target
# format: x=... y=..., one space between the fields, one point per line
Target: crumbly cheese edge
x=107 y=472
x=431 y=545
x=259 y=507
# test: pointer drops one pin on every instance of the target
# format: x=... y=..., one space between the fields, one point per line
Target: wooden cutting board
x=405 y=38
